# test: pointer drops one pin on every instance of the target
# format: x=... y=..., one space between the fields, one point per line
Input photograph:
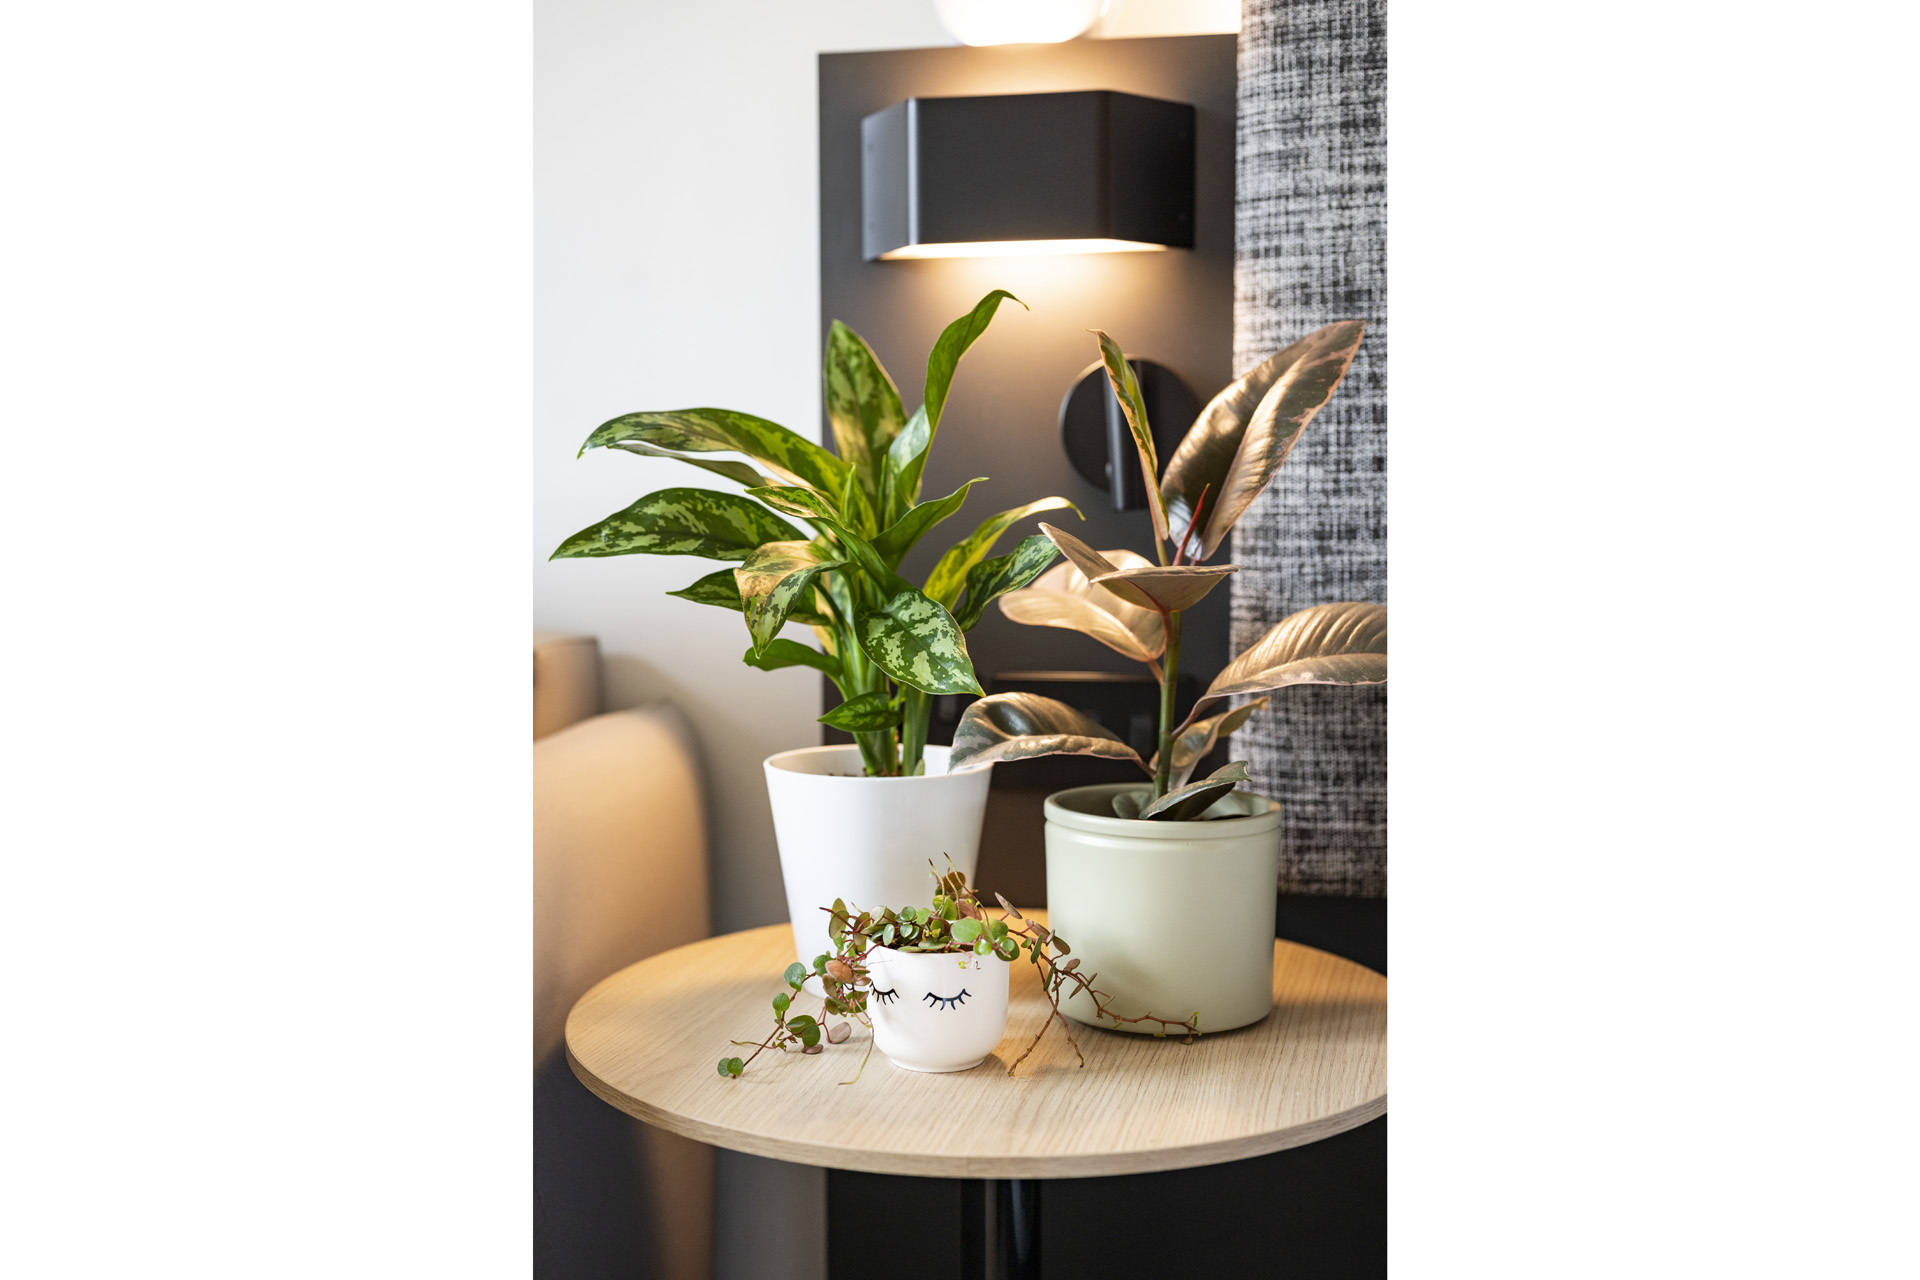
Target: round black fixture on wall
x=1095 y=435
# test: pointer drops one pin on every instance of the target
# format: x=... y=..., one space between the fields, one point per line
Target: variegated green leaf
x=681 y=522
x=917 y=642
x=720 y=590
x=1126 y=389
x=738 y=472
x=775 y=578
x=862 y=404
x=901 y=536
x=990 y=580
x=868 y=713
x=949 y=576
x=858 y=509
x=906 y=459
x=1244 y=434
x=1062 y=597
x=791 y=457
x=1192 y=801
x=942 y=361
x=798 y=500
x=1191 y=747
x=1326 y=644
x=1020 y=726
x=783 y=653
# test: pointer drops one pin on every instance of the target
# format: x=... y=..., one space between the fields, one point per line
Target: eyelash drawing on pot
x=946 y=1002
x=885 y=997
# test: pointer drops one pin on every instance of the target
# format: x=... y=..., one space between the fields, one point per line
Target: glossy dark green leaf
x=1193 y=800
x=1191 y=747
x=1326 y=644
x=867 y=713
x=949 y=576
x=791 y=457
x=1128 y=804
x=916 y=641
x=681 y=522
x=1126 y=388
x=1020 y=726
x=782 y=653
x=900 y=537
x=1245 y=433
x=796 y=974
x=862 y=404
x=990 y=580
x=774 y=579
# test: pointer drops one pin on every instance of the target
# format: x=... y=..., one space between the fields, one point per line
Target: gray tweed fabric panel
x=1311 y=248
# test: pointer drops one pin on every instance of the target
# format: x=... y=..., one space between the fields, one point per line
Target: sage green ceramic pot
x=1175 y=917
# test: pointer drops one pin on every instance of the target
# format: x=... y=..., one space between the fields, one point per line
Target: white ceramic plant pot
x=867 y=840
x=935 y=1011
x=1176 y=918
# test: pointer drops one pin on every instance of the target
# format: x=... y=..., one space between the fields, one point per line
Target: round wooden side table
x=647 y=1040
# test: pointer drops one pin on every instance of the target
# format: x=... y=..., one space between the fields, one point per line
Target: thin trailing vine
x=954 y=923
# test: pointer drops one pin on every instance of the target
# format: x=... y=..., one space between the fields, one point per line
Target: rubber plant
x=1134 y=606
x=886 y=644
x=955 y=922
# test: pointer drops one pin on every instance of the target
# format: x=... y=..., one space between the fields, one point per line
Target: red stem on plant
x=1180 y=552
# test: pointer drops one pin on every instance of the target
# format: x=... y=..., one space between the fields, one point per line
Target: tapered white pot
x=1176 y=918
x=867 y=840
x=936 y=1012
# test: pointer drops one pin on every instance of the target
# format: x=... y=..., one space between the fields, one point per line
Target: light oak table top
x=647 y=1040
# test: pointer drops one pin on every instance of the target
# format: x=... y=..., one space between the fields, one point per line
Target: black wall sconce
x=1027 y=173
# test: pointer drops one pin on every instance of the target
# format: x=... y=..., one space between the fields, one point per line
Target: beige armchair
x=619 y=873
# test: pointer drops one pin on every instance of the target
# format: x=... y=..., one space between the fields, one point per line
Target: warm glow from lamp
x=1020 y=248
x=1018 y=21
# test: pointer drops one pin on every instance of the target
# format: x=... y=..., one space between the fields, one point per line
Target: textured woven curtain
x=1311 y=248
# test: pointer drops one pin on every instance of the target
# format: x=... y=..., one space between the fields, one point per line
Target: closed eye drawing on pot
x=885 y=997
x=946 y=1002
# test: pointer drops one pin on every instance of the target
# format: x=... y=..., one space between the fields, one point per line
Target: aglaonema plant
x=1134 y=606
x=955 y=922
x=886 y=644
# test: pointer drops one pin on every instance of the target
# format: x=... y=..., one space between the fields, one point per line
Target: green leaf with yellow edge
x=949 y=576
x=721 y=590
x=1021 y=726
x=799 y=500
x=916 y=641
x=791 y=457
x=990 y=580
x=1126 y=389
x=863 y=405
x=681 y=522
x=900 y=537
x=775 y=578
x=906 y=458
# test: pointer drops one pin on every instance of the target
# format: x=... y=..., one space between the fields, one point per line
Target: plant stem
x=913 y=730
x=1168 y=685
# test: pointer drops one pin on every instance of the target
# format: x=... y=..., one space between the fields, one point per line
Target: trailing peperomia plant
x=953 y=924
x=1134 y=606
x=888 y=645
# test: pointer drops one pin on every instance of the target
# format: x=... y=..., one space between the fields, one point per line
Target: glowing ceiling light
x=1018 y=21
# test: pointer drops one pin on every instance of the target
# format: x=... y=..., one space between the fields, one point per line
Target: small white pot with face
x=934 y=1011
